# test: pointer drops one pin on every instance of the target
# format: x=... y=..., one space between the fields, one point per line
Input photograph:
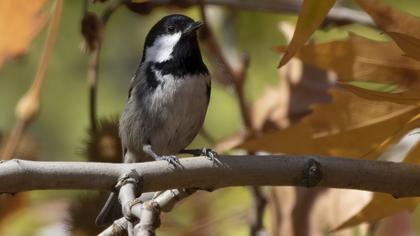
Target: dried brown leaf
x=300 y=85
x=384 y=205
x=401 y=26
x=315 y=211
x=391 y=19
x=360 y=59
x=381 y=206
x=20 y=21
x=410 y=45
x=349 y=126
x=407 y=97
x=310 y=18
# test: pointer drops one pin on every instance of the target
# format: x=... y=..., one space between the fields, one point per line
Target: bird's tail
x=110 y=212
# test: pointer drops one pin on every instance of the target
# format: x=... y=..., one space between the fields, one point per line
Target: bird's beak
x=193 y=27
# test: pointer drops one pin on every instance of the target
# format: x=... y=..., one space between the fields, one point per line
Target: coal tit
x=167 y=100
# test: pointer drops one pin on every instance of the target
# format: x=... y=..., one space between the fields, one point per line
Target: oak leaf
x=20 y=21
x=384 y=205
x=310 y=18
x=349 y=126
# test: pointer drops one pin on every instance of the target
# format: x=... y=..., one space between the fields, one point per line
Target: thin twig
x=239 y=86
x=14 y=140
x=222 y=71
x=302 y=210
x=94 y=55
x=260 y=202
x=276 y=214
x=119 y=227
x=93 y=76
x=28 y=106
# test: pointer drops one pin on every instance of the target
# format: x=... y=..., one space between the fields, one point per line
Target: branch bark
x=398 y=179
x=337 y=15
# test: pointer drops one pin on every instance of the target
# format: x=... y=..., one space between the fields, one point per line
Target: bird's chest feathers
x=179 y=92
x=179 y=105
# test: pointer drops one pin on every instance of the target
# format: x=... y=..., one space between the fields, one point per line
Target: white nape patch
x=162 y=48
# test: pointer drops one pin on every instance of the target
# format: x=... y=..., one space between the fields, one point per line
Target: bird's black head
x=172 y=42
x=172 y=25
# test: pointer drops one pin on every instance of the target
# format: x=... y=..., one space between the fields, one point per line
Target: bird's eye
x=171 y=29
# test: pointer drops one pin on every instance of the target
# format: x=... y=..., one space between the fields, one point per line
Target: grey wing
x=130 y=90
x=130 y=87
x=131 y=128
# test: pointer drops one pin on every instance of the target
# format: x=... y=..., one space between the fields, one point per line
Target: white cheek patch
x=162 y=48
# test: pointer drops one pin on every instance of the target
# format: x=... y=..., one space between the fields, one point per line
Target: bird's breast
x=176 y=91
x=181 y=105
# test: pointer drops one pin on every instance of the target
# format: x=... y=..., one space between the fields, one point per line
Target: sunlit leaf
x=315 y=210
x=272 y=103
x=360 y=59
x=311 y=16
x=402 y=27
x=391 y=19
x=300 y=85
x=381 y=206
x=409 y=97
x=349 y=126
x=384 y=205
x=409 y=44
x=412 y=123
x=20 y=21
x=413 y=155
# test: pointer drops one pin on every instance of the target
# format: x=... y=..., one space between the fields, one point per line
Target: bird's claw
x=171 y=159
x=210 y=154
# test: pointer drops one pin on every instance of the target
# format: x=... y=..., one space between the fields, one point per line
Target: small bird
x=167 y=100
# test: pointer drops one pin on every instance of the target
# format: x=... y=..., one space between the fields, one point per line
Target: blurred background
x=61 y=131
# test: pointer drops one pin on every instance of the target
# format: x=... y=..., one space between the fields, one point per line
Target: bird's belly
x=182 y=108
x=174 y=136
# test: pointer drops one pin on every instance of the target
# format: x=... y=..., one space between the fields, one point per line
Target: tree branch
x=398 y=179
x=337 y=15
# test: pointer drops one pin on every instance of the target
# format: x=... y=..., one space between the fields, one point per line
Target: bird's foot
x=209 y=153
x=171 y=159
